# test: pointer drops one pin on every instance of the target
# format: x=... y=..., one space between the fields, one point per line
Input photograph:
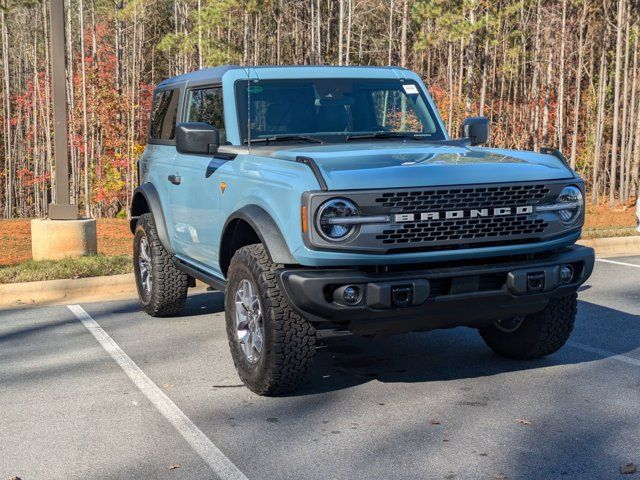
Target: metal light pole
x=63 y=234
x=61 y=209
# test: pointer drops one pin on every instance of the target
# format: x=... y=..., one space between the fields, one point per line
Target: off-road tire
x=169 y=285
x=289 y=340
x=540 y=334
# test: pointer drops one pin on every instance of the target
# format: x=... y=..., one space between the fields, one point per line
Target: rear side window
x=205 y=105
x=163 y=115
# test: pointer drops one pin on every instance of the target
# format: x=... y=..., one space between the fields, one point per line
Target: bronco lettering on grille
x=456 y=214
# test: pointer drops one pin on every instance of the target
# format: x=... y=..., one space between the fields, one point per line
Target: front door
x=195 y=195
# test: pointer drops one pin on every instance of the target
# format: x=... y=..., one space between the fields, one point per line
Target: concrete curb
x=76 y=290
x=613 y=246
x=55 y=292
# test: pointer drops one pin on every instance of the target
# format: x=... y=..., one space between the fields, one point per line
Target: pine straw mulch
x=114 y=238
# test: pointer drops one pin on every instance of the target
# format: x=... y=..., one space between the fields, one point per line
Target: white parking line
x=617 y=263
x=219 y=463
x=605 y=353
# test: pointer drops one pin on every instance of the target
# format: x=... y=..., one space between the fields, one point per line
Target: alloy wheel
x=249 y=321
x=144 y=265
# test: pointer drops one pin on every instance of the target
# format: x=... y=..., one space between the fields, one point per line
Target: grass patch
x=91 y=266
x=609 y=232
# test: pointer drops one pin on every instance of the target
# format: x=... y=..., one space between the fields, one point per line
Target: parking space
x=429 y=405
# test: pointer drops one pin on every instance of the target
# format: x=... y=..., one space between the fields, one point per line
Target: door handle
x=175 y=179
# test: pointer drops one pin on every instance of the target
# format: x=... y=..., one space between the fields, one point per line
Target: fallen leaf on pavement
x=522 y=421
x=628 y=468
x=13 y=477
x=174 y=466
x=434 y=422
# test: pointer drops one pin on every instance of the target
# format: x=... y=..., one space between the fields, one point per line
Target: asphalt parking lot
x=112 y=393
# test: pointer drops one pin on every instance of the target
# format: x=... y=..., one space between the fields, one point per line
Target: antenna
x=248 y=72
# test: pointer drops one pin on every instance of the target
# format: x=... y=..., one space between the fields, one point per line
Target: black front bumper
x=426 y=299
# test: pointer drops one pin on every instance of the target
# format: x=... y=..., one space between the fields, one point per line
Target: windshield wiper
x=282 y=138
x=383 y=135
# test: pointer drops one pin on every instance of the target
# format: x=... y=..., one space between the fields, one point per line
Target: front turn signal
x=303 y=219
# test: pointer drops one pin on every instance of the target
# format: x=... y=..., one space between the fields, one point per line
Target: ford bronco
x=333 y=197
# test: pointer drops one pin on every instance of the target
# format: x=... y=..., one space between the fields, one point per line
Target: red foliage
x=116 y=113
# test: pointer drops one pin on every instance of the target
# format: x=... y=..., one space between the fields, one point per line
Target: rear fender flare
x=146 y=200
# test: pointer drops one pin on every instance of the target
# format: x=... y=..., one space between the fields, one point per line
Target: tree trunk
x=560 y=120
x=390 y=40
x=340 y=32
x=578 y=88
x=403 y=34
x=616 y=105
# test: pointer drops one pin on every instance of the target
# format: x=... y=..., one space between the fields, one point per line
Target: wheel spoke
x=249 y=325
x=243 y=325
x=257 y=342
x=246 y=293
x=248 y=346
x=241 y=311
x=144 y=251
x=244 y=336
x=255 y=305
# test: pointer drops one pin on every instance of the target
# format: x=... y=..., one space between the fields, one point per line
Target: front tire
x=535 y=335
x=162 y=288
x=271 y=344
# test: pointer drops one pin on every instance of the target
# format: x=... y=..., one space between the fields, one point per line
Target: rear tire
x=539 y=334
x=162 y=288
x=272 y=346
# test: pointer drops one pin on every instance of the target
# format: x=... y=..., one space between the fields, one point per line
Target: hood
x=364 y=165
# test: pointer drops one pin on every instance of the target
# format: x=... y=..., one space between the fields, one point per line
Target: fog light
x=566 y=273
x=351 y=294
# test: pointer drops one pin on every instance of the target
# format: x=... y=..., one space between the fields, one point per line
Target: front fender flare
x=147 y=194
x=268 y=232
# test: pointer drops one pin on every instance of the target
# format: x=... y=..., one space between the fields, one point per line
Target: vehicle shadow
x=441 y=355
x=199 y=303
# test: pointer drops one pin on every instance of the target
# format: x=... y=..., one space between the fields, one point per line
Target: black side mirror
x=476 y=129
x=197 y=138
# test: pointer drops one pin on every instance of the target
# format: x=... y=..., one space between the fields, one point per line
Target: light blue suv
x=332 y=197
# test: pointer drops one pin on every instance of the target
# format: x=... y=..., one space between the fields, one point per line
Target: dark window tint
x=163 y=115
x=205 y=105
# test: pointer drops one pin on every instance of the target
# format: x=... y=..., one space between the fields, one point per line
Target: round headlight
x=328 y=219
x=572 y=198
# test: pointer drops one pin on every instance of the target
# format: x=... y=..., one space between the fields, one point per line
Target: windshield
x=334 y=108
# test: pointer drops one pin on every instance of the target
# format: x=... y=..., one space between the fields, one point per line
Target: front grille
x=456 y=198
x=468 y=229
x=463 y=232
x=432 y=219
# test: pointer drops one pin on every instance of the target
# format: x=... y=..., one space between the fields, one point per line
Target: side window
x=163 y=115
x=205 y=105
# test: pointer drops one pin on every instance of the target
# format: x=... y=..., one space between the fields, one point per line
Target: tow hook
x=401 y=296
